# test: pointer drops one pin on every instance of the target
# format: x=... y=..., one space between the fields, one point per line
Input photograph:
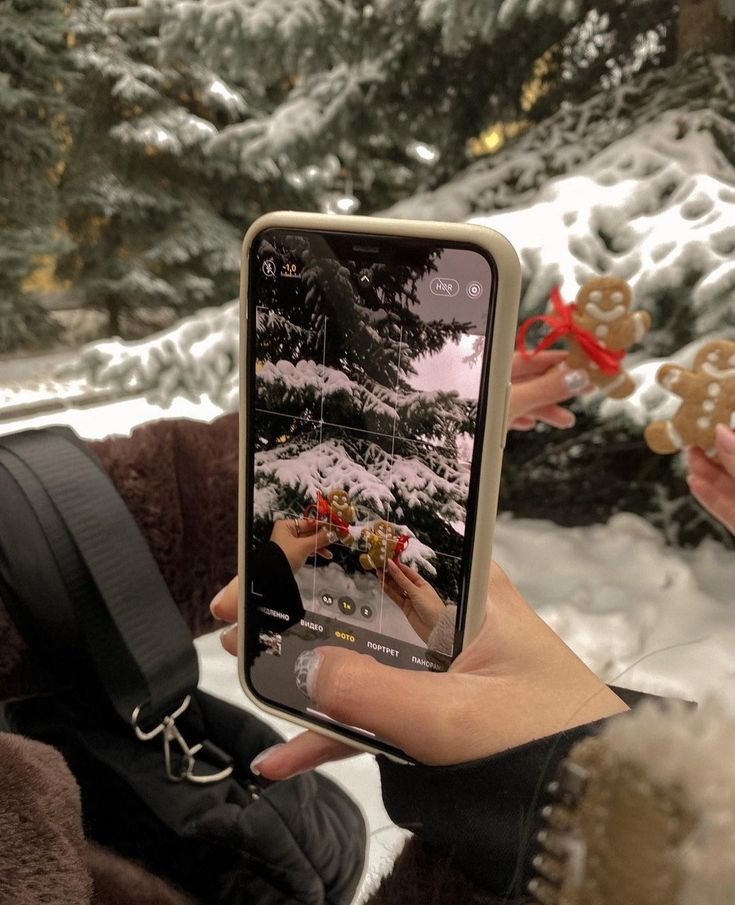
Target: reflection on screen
x=365 y=376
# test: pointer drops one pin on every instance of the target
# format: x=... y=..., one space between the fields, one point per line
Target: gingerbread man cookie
x=380 y=542
x=603 y=311
x=341 y=513
x=707 y=399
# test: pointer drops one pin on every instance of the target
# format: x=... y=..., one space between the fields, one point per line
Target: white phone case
x=498 y=396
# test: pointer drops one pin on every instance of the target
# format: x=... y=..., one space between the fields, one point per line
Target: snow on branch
x=308 y=113
x=197 y=357
x=697 y=87
x=136 y=83
x=304 y=375
x=173 y=131
x=656 y=208
x=240 y=35
x=483 y=20
x=309 y=468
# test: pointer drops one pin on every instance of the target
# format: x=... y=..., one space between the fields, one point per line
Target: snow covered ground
x=640 y=613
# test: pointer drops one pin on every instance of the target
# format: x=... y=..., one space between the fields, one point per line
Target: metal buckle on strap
x=171 y=735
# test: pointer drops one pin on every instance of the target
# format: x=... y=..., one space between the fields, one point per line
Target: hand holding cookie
x=538 y=386
x=707 y=400
x=711 y=484
x=603 y=310
x=599 y=328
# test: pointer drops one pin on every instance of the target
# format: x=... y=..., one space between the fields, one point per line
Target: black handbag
x=162 y=767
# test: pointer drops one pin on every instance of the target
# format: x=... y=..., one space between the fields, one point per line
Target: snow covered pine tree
x=35 y=112
x=143 y=204
x=368 y=102
x=357 y=395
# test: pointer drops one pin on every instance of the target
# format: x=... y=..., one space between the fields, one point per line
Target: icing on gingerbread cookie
x=708 y=399
x=603 y=310
x=341 y=513
x=381 y=542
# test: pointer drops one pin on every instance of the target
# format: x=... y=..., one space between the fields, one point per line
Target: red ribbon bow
x=562 y=324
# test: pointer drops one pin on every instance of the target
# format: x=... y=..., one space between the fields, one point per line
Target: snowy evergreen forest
x=598 y=136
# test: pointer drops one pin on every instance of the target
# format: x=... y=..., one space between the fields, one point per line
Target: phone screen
x=364 y=418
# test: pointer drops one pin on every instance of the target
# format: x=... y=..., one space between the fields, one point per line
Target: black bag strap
x=92 y=576
x=84 y=588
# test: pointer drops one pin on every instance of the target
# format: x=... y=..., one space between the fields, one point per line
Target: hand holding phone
x=515 y=682
x=415 y=597
x=374 y=399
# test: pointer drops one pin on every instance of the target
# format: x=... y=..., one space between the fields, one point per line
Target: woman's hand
x=517 y=681
x=301 y=538
x=419 y=602
x=711 y=484
x=538 y=385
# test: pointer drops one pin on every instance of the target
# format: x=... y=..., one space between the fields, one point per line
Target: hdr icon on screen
x=444 y=286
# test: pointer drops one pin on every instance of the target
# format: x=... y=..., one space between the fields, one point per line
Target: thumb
x=725 y=446
x=407 y=708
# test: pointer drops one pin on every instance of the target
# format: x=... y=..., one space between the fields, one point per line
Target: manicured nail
x=262 y=756
x=725 y=439
x=225 y=633
x=332 y=537
x=576 y=381
x=214 y=605
x=305 y=670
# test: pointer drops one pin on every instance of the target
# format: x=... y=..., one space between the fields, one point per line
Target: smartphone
x=374 y=391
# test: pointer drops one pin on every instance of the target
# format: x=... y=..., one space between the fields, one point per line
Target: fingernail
x=305 y=670
x=332 y=537
x=725 y=439
x=214 y=605
x=225 y=632
x=575 y=381
x=262 y=756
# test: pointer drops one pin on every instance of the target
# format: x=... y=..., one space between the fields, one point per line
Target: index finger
x=303 y=527
x=524 y=367
x=224 y=603
x=553 y=386
x=314 y=538
x=411 y=574
x=300 y=754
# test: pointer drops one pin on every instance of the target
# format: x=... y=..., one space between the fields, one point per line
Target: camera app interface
x=366 y=364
